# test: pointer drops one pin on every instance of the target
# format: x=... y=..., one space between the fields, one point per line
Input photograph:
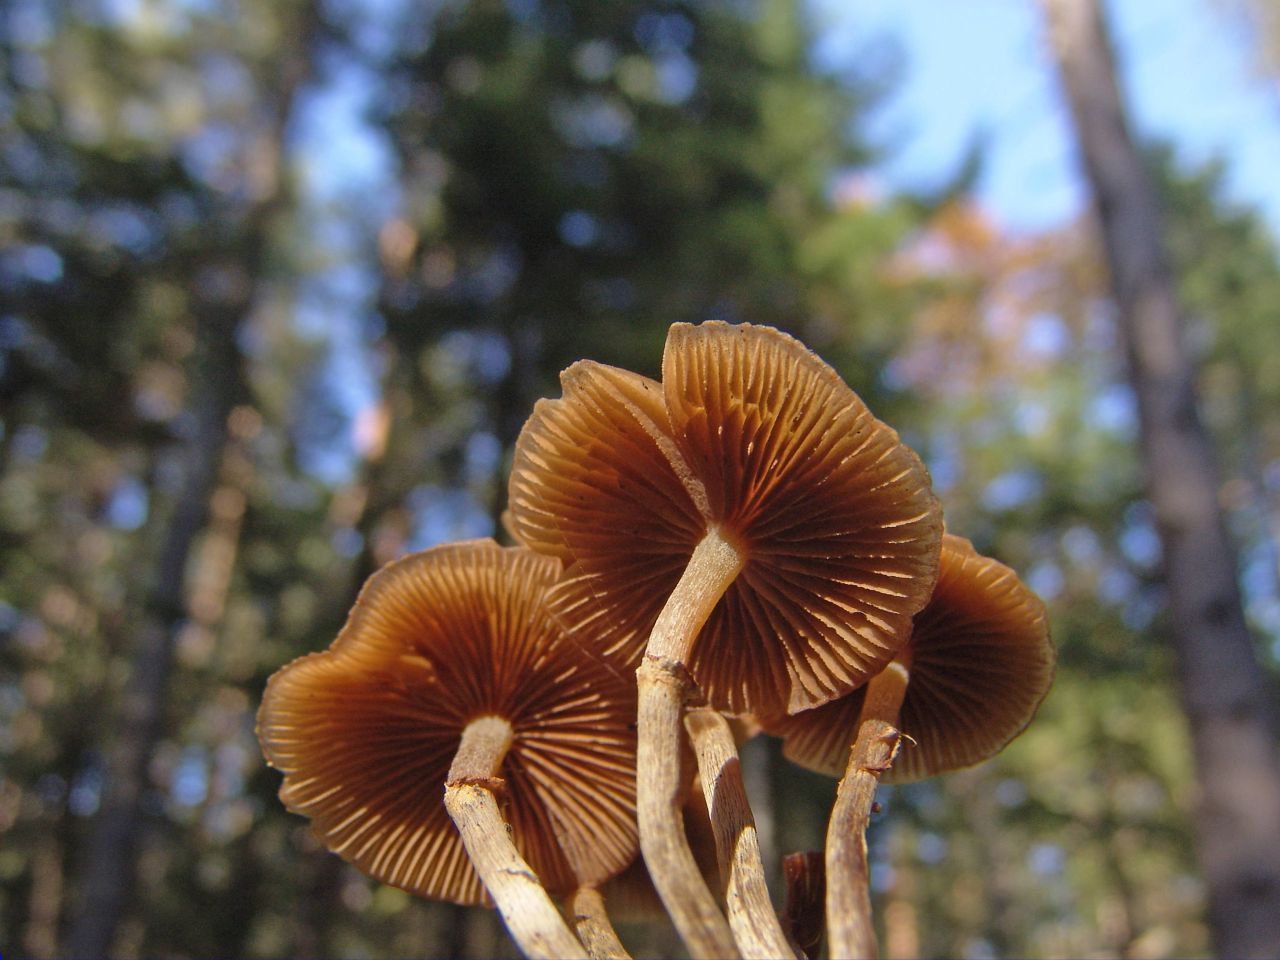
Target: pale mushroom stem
x=528 y=912
x=664 y=688
x=594 y=928
x=752 y=919
x=850 y=932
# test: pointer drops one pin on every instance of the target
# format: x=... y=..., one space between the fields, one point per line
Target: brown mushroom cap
x=593 y=484
x=981 y=663
x=365 y=732
x=621 y=477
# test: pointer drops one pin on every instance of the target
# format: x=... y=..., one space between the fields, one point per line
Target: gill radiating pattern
x=595 y=469
x=981 y=662
x=836 y=514
x=590 y=467
x=358 y=763
x=622 y=477
x=365 y=733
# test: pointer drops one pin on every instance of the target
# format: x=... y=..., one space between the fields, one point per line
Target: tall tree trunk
x=224 y=285
x=107 y=878
x=1224 y=691
x=40 y=938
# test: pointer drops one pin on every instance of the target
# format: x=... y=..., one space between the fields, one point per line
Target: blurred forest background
x=280 y=281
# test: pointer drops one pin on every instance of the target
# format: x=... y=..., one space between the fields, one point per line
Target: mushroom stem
x=528 y=912
x=485 y=742
x=849 y=928
x=752 y=919
x=714 y=565
x=664 y=688
x=802 y=915
x=593 y=926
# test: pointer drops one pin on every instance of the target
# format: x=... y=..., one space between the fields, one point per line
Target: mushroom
x=747 y=519
x=593 y=926
x=631 y=894
x=806 y=892
x=755 y=926
x=448 y=688
x=978 y=665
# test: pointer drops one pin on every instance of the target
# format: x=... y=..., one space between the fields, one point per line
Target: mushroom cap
x=621 y=477
x=981 y=663
x=365 y=732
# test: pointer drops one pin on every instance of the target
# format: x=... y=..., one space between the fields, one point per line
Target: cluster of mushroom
x=749 y=540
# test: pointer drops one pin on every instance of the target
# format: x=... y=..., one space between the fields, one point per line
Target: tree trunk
x=107 y=876
x=223 y=287
x=1224 y=691
x=40 y=938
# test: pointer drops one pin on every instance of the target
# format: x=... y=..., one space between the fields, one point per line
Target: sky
x=967 y=66
x=981 y=65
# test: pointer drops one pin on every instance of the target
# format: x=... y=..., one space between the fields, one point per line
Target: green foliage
x=571 y=177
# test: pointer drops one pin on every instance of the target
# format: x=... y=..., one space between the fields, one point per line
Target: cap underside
x=366 y=731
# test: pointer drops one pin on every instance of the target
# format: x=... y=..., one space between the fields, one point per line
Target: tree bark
x=1224 y=690
x=108 y=874
x=223 y=286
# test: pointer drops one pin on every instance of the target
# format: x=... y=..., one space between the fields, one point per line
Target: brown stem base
x=849 y=928
x=802 y=913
